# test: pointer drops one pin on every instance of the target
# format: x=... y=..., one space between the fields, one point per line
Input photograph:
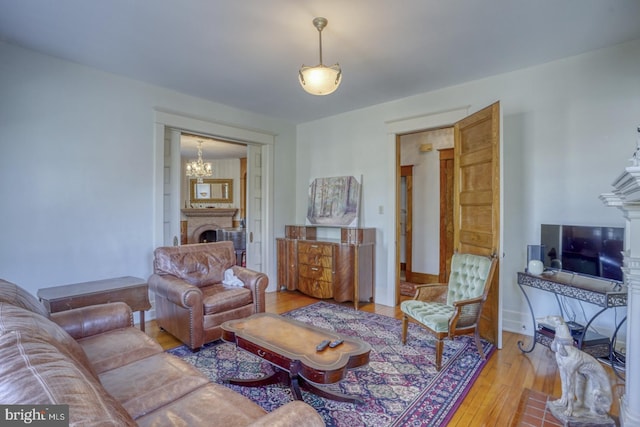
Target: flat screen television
x=591 y=250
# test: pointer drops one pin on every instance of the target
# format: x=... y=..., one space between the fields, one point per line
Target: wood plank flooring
x=493 y=400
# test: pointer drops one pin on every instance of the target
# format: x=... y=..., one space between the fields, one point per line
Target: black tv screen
x=591 y=250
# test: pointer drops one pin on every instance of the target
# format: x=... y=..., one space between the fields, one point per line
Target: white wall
x=77 y=169
x=568 y=129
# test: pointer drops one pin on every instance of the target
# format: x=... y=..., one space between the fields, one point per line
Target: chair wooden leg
x=405 y=325
x=439 y=348
x=479 y=344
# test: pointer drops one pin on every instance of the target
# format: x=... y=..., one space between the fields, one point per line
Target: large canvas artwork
x=334 y=201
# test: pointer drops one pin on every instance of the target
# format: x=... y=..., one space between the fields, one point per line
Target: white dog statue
x=586 y=389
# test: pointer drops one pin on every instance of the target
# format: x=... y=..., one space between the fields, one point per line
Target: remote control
x=323 y=345
x=336 y=343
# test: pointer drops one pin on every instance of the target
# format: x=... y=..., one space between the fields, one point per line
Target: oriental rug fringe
x=400 y=386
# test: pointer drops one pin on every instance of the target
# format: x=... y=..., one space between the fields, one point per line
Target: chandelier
x=198 y=168
x=320 y=80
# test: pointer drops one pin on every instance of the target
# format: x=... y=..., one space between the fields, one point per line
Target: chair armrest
x=176 y=290
x=95 y=319
x=435 y=292
x=468 y=317
x=464 y=302
x=257 y=282
x=293 y=414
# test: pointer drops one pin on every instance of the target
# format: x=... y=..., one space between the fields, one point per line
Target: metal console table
x=602 y=293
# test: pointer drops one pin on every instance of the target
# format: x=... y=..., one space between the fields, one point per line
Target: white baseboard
x=516 y=322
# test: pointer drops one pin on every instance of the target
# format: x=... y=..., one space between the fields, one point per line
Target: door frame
x=170 y=120
x=407 y=173
x=395 y=128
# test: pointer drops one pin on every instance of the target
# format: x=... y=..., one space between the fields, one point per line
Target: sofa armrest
x=296 y=413
x=257 y=282
x=176 y=290
x=95 y=319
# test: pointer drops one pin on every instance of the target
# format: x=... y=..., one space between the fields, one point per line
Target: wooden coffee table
x=290 y=346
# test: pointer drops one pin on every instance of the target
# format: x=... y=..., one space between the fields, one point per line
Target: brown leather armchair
x=191 y=300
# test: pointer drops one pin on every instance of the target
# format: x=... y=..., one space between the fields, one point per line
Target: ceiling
x=246 y=53
x=211 y=148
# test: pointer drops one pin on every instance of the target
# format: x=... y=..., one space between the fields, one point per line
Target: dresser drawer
x=314 y=248
x=315 y=288
x=313 y=272
x=316 y=260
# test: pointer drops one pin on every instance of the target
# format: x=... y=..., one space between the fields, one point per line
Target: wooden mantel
x=219 y=212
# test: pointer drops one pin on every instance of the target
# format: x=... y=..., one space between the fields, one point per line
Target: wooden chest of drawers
x=315 y=269
x=342 y=269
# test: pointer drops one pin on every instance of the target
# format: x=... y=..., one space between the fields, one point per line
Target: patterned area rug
x=400 y=386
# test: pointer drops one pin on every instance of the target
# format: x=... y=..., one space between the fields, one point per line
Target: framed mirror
x=211 y=191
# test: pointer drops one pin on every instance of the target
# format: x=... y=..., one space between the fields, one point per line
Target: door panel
x=171 y=188
x=254 y=207
x=477 y=200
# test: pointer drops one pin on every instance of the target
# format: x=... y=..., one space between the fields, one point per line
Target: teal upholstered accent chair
x=447 y=310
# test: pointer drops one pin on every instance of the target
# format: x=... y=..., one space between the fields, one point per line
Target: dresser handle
x=314 y=246
x=261 y=353
x=315 y=268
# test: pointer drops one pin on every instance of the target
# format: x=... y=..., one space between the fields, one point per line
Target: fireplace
x=206 y=233
x=206 y=224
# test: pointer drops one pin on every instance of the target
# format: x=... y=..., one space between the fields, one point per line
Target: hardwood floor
x=493 y=399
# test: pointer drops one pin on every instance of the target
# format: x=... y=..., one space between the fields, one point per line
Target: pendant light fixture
x=320 y=80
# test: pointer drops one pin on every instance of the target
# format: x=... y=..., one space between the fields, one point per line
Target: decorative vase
x=535 y=267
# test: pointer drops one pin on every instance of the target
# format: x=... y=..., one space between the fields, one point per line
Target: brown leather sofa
x=191 y=300
x=112 y=374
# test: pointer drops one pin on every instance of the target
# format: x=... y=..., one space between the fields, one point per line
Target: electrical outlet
x=381 y=210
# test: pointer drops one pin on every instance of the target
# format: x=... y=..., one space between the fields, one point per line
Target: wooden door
x=477 y=199
x=446 y=213
x=407 y=173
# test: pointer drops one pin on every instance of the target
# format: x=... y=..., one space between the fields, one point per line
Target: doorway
x=259 y=207
x=228 y=162
x=426 y=198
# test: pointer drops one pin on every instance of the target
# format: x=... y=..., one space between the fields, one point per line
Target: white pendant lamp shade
x=320 y=80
